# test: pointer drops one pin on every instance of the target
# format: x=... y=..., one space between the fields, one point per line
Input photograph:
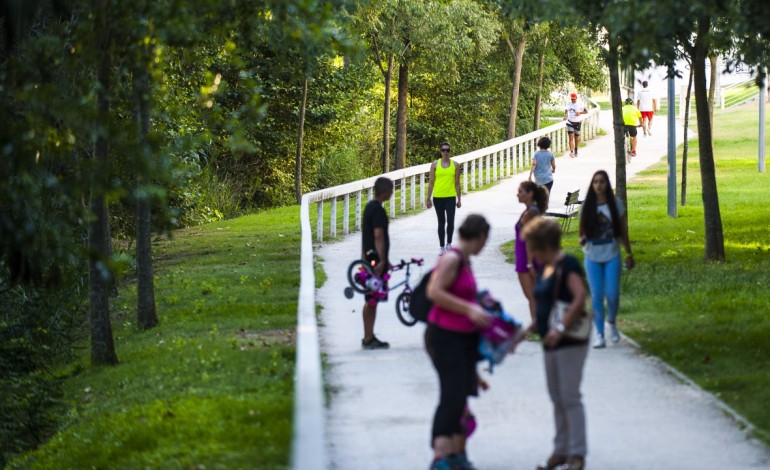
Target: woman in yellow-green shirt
x=444 y=186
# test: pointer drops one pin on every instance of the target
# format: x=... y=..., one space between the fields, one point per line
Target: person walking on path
x=647 y=104
x=444 y=186
x=535 y=200
x=632 y=119
x=561 y=278
x=375 y=246
x=452 y=342
x=543 y=164
x=603 y=226
x=572 y=116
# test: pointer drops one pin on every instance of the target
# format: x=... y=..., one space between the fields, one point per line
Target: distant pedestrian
x=375 y=246
x=452 y=342
x=444 y=186
x=603 y=227
x=535 y=200
x=560 y=278
x=572 y=116
x=543 y=164
x=647 y=104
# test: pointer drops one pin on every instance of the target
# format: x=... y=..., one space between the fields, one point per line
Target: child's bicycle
x=363 y=280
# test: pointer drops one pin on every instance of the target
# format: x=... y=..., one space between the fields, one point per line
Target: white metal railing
x=479 y=168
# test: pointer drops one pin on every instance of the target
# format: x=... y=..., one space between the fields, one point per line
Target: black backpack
x=420 y=304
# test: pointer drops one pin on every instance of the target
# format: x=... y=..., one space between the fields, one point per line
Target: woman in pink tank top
x=452 y=340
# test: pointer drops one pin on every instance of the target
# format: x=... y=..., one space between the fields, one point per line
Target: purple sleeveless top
x=465 y=288
x=520 y=245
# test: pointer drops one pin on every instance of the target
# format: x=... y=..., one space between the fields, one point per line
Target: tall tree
x=515 y=31
x=102 y=343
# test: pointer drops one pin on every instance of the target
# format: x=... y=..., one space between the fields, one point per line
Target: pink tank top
x=465 y=288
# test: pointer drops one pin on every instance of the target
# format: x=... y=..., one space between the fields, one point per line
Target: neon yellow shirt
x=444 y=183
x=631 y=115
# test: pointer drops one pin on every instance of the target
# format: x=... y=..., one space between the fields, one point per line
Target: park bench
x=569 y=212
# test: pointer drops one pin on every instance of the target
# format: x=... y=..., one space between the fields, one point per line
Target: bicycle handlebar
x=403 y=264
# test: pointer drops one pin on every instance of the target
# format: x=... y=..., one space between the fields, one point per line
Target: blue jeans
x=604 y=281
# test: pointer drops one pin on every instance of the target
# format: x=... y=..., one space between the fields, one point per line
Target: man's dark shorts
x=631 y=130
x=573 y=127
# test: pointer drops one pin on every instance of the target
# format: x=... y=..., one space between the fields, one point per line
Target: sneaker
x=576 y=150
x=576 y=462
x=554 y=462
x=571 y=154
x=633 y=153
x=614 y=333
x=374 y=343
x=448 y=247
x=599 y=342
x=441 y=464
x=649 y=132
x=441 y=251
x=460 y=462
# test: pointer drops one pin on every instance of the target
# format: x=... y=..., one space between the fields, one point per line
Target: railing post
x=371 y=194
x=346 y=214
x=480 y=174
x=473 y=174
x=319 y=224
x=359 y=196
x=422 y=190
x=403 y=195
x=333 y=219
x=414 y=191
x=392 y=211
x=465 y=177
x=494 y=164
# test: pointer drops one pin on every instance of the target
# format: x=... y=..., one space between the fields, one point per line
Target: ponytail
x=541 y=198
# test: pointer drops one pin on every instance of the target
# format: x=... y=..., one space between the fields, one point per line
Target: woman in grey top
x=603 y=226
x=543 y=164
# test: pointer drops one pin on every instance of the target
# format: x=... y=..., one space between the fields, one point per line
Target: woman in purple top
x=452 y=341
x=535 y=200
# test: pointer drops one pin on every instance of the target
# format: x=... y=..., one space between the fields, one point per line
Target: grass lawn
x=212 y=386
x=709 y=320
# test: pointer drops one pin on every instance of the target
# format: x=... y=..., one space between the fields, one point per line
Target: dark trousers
x=445 y=211
x=454 y=355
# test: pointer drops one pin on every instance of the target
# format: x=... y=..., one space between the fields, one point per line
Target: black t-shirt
x=374 y=217
x=544 y=294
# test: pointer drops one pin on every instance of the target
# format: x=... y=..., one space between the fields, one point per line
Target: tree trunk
x=100 y=277
x=712 y=87
x=147 y=316
x=540 y=77
x=403 y=83
x=715 y=247
x=518 y=56
x=617 y=123
x=300 y=137
x=686 y=145
x=386 y=117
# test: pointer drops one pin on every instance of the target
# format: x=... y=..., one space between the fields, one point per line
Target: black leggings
x=445 y=205
x=454 y=355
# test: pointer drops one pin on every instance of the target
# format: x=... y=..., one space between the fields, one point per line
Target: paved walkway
x=639 y=415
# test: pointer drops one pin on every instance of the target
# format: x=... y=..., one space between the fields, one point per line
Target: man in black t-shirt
x=375 y=245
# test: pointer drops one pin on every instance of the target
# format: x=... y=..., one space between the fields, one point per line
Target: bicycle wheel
x=358 y=272
x=402 y=309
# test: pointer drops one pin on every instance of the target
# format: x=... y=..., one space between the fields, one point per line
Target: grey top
x=542 y=172
x=606 y=246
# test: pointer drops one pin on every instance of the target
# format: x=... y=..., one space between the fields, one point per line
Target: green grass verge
x=212 y=386
x=709 y=320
